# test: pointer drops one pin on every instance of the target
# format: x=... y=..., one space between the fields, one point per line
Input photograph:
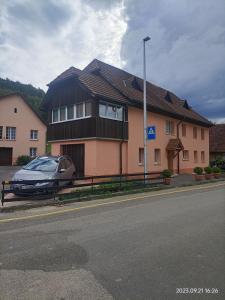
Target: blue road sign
x=151 y=133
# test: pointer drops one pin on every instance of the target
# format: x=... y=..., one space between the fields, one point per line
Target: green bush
x=198 y=170
x=167 y=173
x=208 y=170
x=23 y=160
x=216 y=170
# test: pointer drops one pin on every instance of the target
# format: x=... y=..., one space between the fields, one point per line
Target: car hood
x=32 y=175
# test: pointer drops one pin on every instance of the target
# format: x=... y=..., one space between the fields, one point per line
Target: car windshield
x=42 y=164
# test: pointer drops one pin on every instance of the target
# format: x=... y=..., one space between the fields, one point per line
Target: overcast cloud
x=40 y=39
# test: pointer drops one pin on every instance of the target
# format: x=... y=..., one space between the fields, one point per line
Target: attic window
x=168 y=97
x=136 y=85
x=186 y=105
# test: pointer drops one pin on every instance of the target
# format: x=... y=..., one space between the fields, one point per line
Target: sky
x=186 y=53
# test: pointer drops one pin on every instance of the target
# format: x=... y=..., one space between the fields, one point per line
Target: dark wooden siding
x=88 y=128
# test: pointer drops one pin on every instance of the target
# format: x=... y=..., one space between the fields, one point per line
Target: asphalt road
x=148 y=249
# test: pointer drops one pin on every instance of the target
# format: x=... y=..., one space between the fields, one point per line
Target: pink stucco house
x=96 y=116
x=22 y=131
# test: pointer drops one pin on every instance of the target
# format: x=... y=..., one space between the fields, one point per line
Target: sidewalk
x=177 y=181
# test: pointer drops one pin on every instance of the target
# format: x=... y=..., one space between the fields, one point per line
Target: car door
x=62 y=174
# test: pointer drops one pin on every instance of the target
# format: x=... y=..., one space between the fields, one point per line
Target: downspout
x=121 y=145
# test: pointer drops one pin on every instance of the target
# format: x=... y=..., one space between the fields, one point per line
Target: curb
x=50 y=202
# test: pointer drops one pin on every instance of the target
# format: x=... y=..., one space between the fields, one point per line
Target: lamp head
x=147 y=38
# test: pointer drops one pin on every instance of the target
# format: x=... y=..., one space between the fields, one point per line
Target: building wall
x=135 y=118
x=24 y=121
x=102 y=157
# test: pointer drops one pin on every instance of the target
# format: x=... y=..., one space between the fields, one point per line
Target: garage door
x=76 y=153
x=6 y=156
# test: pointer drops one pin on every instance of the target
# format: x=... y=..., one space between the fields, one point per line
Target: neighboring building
x=22 y=132
x=217 y=142
x=96 y=116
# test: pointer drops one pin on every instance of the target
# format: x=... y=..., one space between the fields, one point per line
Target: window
x=141 y=156
x=195 y=132
x=70 y=112
x=185 y=155
x=33 y=152
x=184 y=130
x=1 y=132
x=203 y=156
x=157 y=156
x=10 y=133
x=15 y=110
x=195 y=156
x=55 y=115
x=111 y=111
x=170 y=127
x=34 y=134
x=62 y=113
x=80 y=110
x=202 y=134
x=87 y=109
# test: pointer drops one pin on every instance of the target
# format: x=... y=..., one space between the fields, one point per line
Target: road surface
x=156 y=248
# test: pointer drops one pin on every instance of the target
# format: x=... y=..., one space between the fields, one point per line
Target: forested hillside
x=32 y=94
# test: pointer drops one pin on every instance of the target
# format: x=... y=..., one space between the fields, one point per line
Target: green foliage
x=33 y=95
x=198 y=170
x=167 y=173
x=216 y=170
x=208 y=170
x=23 y=160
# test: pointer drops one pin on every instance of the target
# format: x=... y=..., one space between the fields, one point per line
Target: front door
x=6 y=156
x=76 y=153
x=170 y=156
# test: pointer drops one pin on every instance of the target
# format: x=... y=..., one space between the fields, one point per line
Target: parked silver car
x=44 y=168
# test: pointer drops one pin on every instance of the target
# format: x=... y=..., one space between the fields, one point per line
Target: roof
x=217 y=138
x=107 y=81
x=72 y=71
x=174 y=145
x=27 y=103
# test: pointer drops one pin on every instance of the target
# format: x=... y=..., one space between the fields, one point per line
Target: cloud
x=40 y=39
x=186 y=51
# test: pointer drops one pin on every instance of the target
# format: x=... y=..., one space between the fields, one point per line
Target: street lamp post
x=147 y=38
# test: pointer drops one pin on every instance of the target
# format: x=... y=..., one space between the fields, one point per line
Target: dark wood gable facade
x=71 y=93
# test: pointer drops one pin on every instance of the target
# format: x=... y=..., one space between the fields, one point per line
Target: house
x=217 y=142
x=96 y=116
x=22 y=131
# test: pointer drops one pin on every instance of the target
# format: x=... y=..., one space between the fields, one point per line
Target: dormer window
x=186 y=104
x=168 y=97
x=136 y=84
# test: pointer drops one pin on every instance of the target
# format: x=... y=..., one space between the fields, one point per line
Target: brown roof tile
x=217 y=138
x=66 y=74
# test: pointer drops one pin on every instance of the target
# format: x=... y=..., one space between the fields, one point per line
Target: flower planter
x=198 y=177
x=167 y=180
x=209 y=176
x=217 y=175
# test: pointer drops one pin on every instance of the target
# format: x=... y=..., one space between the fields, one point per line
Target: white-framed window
x=1 y=132
x=11 y=133
x=195 y=156
x=185 y=155
x=34 y=135
x=169 y=127
x=202 y=133
x=195 y=132
x=157 y=156
x=33 y=152
x=184 y=130
x=55 y=115
x=202 y=156
x=71 y=112
x=141 y=156
x=110 y=111
x=62 y=113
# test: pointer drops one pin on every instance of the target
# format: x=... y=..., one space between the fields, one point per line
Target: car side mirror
x=62 y=170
